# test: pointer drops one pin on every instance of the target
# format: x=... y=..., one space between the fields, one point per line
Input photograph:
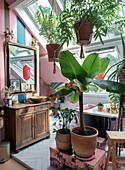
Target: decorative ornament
x=9 y=33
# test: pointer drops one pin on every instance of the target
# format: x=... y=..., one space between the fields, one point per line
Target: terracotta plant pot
x=1 y=122
x=63 y=141
x=83 y=32
x=53 y=52
x=84 y=146
x=100 y=108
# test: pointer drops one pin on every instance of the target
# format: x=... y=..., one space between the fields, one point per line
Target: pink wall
x=13 y=24
x=9 y=2
x=2 y=74
x=2 y=41
x=46 y=72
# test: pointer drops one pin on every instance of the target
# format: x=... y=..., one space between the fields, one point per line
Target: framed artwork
x=28 y=87
x=32 y=87
x=23 y=87
x=16 y=85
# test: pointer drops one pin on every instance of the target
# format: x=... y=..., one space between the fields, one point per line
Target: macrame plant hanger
x=81 y=42
x=54 y=51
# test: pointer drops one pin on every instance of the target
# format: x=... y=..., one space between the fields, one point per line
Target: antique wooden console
x=26 y=124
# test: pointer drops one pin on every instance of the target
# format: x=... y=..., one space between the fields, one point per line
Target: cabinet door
x=26 y=129
x=41 y=123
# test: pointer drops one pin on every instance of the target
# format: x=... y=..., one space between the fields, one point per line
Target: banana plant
x=81 y=77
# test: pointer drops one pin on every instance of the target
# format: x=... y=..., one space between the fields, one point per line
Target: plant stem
x=82 y=126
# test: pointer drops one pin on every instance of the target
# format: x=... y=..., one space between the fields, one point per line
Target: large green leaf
x=104 y=64
x=57 y=85
x=81 y=86
x=92 y=87
x=91 y=65
x=110 y=86
x=123 y=46
x=60 y=93
x=73 y=97
x=70 y=67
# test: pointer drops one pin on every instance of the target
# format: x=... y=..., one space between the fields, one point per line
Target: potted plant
x=63 y=136
x=49 y=28
x=80 y=76
x=100 y=106
x=119 y=72
x=83 y=16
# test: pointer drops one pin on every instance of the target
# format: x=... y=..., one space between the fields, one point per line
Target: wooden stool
x=115 y=137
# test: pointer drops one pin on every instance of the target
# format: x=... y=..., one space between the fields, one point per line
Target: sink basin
x=38 y=99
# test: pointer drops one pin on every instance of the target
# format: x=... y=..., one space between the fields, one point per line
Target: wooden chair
x=115 y=137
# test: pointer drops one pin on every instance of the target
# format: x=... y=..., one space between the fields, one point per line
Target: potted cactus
x=100 y=106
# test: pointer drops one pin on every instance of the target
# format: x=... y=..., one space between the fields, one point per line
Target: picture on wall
x=32 y=87
x=16 y=85
x=23 y=87
x=28 y=87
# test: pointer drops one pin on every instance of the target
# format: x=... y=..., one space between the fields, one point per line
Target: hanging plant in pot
x=81 y=77
x=63 y=136
x=87 y=17
x=48 y=23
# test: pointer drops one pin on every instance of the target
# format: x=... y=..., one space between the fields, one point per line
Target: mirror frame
x=7 y=79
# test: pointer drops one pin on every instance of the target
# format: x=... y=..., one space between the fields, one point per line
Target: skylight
x=57 y=6
x=44 y=3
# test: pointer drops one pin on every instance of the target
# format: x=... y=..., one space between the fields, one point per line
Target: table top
x=94 y=111
x=118 y=136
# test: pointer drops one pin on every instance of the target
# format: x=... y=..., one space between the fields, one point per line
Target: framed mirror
x=20 y=68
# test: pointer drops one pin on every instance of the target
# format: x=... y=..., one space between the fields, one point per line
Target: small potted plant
x=100 y=106
x=63 y=136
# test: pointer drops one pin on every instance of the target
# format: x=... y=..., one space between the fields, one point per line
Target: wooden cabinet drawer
x=42 y=106
x=25 y=110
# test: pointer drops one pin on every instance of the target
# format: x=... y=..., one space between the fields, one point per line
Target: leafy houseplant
x=83 y=16
x=100 y=106
x=119 y=72
x=80 y=76
x=114 y=97
x=63 y=137
x=49 y=29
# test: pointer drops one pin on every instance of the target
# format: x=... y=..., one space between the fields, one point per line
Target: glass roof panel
x=47 y=6
x=44 y=4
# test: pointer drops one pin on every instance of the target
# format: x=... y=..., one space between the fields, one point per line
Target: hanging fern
x=48 y=26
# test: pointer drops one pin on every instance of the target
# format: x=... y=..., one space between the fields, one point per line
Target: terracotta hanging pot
x=53 y=53
x=84 y=32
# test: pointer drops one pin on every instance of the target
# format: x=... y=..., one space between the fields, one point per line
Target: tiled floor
x=37 y=156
